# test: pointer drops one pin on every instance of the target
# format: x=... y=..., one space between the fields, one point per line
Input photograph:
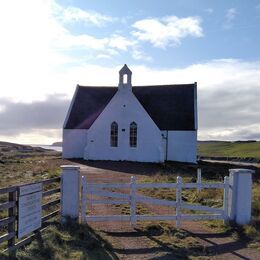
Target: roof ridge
x=140 y=86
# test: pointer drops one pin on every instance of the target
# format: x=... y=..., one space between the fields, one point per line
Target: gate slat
x=201 y=216
x=111 y=194
x=108 y=201
x=156 y=185
x=200 y=207
x=108 y=218
x=146 y=199
x=203 y=185
x=93 y=186
x=155 y=217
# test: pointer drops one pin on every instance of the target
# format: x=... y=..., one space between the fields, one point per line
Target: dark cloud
x=18 y=117
x=233 y=106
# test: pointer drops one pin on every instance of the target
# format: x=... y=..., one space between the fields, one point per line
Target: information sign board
x=29 y=208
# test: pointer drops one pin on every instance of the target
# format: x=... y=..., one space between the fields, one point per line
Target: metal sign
x=29 y=208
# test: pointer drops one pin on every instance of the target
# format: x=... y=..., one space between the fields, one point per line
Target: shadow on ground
x=139 y=168
x=177 y=252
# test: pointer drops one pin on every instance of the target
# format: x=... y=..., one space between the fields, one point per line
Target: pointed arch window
x=133 y=135
x=114 y=134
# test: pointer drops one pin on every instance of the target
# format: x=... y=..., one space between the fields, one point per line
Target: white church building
x=132 y=123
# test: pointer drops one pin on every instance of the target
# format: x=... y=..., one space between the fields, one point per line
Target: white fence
x=133 y=197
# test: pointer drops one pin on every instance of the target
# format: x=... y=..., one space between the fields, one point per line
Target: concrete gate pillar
x=240 y=195
x=70 y=190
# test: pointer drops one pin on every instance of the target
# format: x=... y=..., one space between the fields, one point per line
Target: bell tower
x=125 y=78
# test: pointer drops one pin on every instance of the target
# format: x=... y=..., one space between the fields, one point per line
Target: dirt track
x=128 y=243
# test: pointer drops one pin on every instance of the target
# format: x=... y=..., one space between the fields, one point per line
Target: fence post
x=11 y=226
x=178 y=201
x=225 y=202
x=83 y=199
x=199 y=179
x=240 y=195
x=133 y=200
x=70 y=190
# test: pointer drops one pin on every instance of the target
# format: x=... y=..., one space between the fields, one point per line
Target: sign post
x=29 y=208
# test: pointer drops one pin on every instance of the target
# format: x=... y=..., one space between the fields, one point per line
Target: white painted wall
x=74 y=142
x=182 y=146
x=124 y=108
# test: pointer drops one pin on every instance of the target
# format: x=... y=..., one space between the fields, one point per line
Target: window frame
x=114 y=134
x=133 y=135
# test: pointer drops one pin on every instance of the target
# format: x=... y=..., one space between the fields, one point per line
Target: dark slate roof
x=170 y=106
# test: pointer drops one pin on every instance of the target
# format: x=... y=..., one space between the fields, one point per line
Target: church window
x=114 y=134
x=133 y=134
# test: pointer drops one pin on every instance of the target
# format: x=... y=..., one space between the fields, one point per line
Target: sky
x=47 y=47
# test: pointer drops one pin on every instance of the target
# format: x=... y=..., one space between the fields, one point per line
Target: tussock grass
x=67 y=241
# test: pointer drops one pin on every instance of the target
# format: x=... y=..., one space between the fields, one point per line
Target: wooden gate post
x=11 y=225
x=178 y=201
x=84 y=199
x=70 y=190
x=225 y=199
x=133 y=200
x=240 y=195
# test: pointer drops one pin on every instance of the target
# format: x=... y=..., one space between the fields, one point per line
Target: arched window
x=133 y=135
x=114 y=134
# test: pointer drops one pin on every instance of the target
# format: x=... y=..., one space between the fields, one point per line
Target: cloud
x=209 y=10
x=228 y=98
x=64 y=39
x=167 y=31
x=36 y=56
x=231 y=14
x=140 y=55
x=76 y=15
x=228 y=95
x=19 y=117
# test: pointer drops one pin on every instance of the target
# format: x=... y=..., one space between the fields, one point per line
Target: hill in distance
x=241 y=149
x=57 y=144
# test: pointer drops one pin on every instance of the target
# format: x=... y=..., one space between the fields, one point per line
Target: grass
x=75 y=241
x=230 y=149
x=67 y=241
x=24 y=164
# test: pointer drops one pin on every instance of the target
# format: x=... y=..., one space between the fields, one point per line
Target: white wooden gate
x=133 y=197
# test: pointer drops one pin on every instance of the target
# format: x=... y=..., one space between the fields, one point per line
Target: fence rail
x=132 y=198
x=11 y=219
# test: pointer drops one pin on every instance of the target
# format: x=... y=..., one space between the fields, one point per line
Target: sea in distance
x=50 y=147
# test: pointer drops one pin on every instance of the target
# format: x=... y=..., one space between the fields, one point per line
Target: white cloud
x=140 y=55
x=167 y=31
x=231 y=14
x=258 y=7
x=209 y=10
x=73 y=14
x=35 y=45
x=119 y=42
